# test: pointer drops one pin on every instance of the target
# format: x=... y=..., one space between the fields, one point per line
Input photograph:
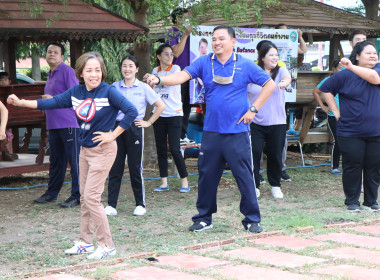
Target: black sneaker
x=45 y=198
x=353 y=208
x=373 y=208
x=199 y=226
x=70 y=202
x=285 y=177
x=254 y=228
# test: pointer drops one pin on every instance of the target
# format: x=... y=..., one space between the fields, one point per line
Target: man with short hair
x=357 y=36
x=63 y=130
x=226 y=131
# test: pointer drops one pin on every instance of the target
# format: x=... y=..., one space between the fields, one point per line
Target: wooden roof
x=310 y=16
x=77 y=20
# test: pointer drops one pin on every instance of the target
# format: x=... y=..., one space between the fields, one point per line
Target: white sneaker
x=110 y=211
x=80 y=247
x=186 y=141
x=257 y=192
x=277 y=193
x=139 y=211
x=101 y=253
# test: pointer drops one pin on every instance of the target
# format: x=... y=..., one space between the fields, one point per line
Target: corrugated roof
x=77 y=20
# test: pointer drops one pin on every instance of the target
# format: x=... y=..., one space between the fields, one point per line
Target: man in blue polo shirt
x=226 y=126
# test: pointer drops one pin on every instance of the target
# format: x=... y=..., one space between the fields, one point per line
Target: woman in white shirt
x=130 y=143
x=168 y=125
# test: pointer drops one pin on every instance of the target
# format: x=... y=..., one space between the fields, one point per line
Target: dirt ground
x=26 y=228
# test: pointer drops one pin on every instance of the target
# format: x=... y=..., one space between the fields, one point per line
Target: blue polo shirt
x=226 y=104
x=359 y=104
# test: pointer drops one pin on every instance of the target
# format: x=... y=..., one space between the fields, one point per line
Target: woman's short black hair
x=359 y=47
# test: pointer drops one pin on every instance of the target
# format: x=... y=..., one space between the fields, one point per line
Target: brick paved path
x=348 y=251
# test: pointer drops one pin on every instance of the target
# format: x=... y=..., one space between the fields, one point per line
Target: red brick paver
x=354 y=239
x=155 y=273
x=61 y=276
x=272 y=257
x=189 y=261
x=368 y=229
x=360 y=254
x=352 y=272
x=288 y=242
x=248 y=272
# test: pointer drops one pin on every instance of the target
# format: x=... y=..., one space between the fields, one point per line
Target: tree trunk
x=371 y=9
x=36 y=70
x=141 y=51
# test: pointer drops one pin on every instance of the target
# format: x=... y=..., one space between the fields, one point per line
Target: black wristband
x=159 y=79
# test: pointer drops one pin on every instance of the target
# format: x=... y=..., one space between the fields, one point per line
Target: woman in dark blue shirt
x=358 y=126
x=96 y=105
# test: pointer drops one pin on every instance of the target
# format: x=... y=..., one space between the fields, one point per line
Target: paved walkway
x=348 y=251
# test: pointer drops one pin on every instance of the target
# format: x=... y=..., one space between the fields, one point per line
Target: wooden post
x=10 y=59
x=334 y=46
x=76 y=50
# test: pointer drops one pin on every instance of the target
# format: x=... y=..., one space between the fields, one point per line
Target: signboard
x=286 y=41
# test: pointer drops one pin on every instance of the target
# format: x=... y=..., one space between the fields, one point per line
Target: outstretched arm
x=367 y=74
x=169 y=80
x=15 y=101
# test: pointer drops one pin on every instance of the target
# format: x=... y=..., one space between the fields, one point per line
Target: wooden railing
x=25 y=117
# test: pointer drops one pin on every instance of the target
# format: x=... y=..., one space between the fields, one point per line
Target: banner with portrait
x=286 y=41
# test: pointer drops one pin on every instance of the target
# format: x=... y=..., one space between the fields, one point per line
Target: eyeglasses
x=168 y=54
x=223 y=80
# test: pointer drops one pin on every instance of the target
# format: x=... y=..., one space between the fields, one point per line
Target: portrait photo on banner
x=286 y=41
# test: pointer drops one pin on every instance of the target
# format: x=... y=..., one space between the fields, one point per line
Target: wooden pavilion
x=76 y=22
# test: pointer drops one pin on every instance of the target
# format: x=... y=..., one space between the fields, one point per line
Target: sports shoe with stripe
x=80 y=247
x=101 y=253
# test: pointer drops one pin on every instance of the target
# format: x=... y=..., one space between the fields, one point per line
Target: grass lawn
x=34 y=237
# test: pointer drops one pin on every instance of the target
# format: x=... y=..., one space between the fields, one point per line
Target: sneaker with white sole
x=277 y=193
x=110 y=211
x=80 y=247
x=373 y=208
x=285 y=177
x=101 y=253
x=254 y=228
x=353 y=208
x=186 y=141
x=199 y=226
x=257 y=192
x=139 y=211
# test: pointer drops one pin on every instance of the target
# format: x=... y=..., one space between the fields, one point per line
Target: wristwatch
x=253 y=109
